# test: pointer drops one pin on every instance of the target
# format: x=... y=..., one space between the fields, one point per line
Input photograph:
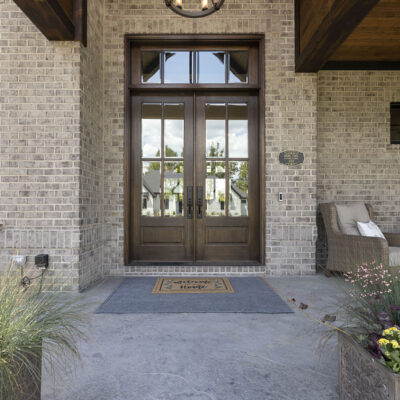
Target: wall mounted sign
x=291 y=157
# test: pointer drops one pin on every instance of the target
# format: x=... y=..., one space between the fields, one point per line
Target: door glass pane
x=211 y=67
x=238 y=66
x=173 y=130
x=215 y=188
x=215 y=130
x=238 y=130
x=151 y=188
x=177 y=67
x=238 y=188
x=151 y=66
x=173 y=189
x=151 y=130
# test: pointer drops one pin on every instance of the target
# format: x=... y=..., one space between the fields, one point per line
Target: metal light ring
x=194 y=14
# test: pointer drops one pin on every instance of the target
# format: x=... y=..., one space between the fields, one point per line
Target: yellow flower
x=389 y=331
x=395 y=344
x=383 y=341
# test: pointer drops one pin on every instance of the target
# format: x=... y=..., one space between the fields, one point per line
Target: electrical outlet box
x=42 y=260
x=18 y=260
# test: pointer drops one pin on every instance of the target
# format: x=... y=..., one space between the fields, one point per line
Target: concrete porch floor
x=205 y=356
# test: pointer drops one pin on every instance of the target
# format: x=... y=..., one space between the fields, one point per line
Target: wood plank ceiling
x=347 y=34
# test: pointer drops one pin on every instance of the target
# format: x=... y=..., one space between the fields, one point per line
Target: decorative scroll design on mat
x=192 y=285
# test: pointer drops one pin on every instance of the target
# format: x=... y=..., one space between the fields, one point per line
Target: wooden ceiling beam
x=59 y=20
x=322 y=26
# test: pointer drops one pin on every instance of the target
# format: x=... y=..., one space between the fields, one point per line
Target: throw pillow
x=370 y=229
x=349 y=214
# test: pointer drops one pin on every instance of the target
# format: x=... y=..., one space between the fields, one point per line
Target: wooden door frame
x=191 y=40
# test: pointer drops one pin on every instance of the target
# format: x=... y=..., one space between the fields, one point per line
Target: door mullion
x=162 y=161
x=194 y=166
x=226 y=161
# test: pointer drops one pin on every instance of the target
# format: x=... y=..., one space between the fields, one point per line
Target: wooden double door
x=194 y=185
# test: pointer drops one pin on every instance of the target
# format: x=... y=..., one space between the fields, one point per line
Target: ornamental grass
x=369 y=313
x=34 y=325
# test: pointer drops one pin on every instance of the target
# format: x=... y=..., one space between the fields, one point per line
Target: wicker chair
x=345 y=252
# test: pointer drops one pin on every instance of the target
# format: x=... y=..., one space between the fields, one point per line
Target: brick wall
x=51 y=150
x=356 y=161
x=39 y=146
x=290 y=110
x=91 y=173
x=62 y=137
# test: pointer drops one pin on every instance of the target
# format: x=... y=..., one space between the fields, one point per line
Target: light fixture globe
x=206 y=9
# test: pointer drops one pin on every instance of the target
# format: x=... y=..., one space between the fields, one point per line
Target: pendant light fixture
x=206 y=8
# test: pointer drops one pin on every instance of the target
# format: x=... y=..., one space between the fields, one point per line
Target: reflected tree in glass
x=215 y=130
x=215 y=188
x=151 y=188
x=238 y=188
x=173 y=189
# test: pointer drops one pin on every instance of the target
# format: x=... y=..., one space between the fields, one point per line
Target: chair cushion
x=349 y=214
x=370 y=229
x=394 y=256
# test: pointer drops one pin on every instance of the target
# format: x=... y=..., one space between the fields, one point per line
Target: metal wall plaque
x=291 y=157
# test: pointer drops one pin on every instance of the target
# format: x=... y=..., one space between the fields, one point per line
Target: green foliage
x=370 y=312
x=390 y=348
x=215 y=151
x=34 y=324
x=171 y=166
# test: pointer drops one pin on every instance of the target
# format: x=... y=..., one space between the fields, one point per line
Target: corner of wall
x=91 y=186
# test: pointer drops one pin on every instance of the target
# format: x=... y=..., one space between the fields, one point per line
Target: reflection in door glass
x=177 y=66
x=215 y=188
x=238 y=188
x=173 y=189
x=238 y=130
x=215 y=130
x=151 y=66
x=211 y=67
x=151 y=130
x=238 y=66
x=151 y=189
x=173 y=130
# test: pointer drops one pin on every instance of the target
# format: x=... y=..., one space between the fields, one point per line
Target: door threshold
x=195 y=264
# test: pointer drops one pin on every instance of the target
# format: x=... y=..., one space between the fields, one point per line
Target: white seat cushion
x=349 y=214
x=394 y=256
x=370 y=229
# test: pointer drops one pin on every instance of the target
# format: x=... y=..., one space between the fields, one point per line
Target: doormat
x=251 y=295
x=192 y=285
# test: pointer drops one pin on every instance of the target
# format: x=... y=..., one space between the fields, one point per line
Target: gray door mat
x=252 y=295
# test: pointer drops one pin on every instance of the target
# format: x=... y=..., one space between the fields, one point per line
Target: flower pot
x=362 y=376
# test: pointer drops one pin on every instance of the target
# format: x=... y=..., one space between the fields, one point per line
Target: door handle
x=199 y=201
x=189 y=201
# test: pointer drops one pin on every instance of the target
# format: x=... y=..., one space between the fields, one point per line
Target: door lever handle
x=189 y=201
x=199 y=201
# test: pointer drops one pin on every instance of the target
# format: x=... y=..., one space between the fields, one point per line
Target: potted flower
x=369 y=334
x=34 y=325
